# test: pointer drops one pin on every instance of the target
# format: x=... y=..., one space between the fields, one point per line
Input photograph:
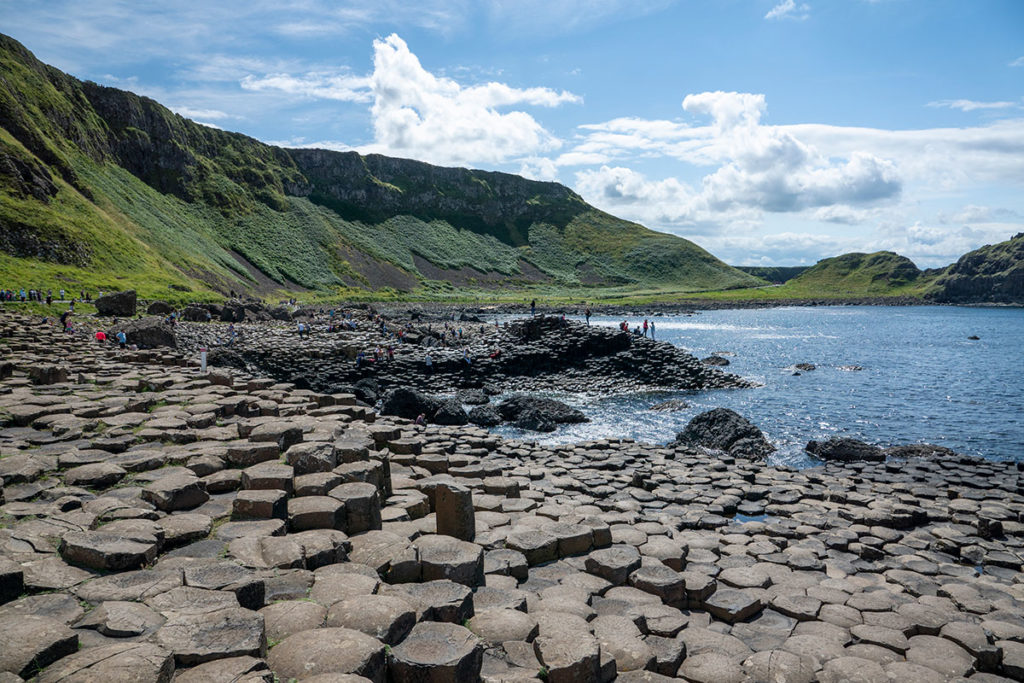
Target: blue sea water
x=923 y=380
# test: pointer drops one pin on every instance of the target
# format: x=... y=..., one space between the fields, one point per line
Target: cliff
x=105 y=189
x=992 y=274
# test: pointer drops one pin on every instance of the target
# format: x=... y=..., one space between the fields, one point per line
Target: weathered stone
x=385 y=617
x=176 y=492
x=31 y=643
x=444 y=557
x=119 y=662
x=260 y=504
x=437 y=651
x=227 y=632
x=108 y=551
x=117 y=619
x=613 y=564
x=282 y=619
x=328 y=650
x=455 y=514
x=499 y=625
x=362 y=506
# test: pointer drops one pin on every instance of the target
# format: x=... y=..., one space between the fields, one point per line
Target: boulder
x=538 y=414
x=725 y=430
x=845 y=449
x=450 y=412
x=159 y=308
x=484 y=416
x=149 y=333
x=117 y=304
x=408 y=403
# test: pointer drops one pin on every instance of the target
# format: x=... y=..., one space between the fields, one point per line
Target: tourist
x=652 y=329
x=65 y=319
x=533 y=307
x=645 y=327
x=429 y=362
x=586 y=314
x=465 y=357
x=391 y=352
x=62 y=295
x=122 y=339
x=101 y=336
x=421 y=420
x=231 y=334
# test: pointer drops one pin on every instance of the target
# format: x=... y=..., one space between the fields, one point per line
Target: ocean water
x=923 y=380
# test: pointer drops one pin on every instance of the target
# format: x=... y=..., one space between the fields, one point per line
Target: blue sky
x=770 y=132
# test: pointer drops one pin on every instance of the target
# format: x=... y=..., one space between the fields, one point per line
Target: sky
x=770 y=132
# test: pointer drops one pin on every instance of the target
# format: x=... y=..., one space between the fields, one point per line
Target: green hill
x=103 y=189
x=882 y=273
x=992 y=274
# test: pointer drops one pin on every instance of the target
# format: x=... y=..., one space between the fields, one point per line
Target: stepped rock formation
x=156 y=523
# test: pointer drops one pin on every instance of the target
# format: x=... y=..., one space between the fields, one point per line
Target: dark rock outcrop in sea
x=725 y=430
x=844 y=449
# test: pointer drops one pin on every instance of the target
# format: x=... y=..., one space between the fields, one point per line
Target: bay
x=922 y=379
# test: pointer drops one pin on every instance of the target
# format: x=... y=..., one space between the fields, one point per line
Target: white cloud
x=788 y=9
x=317 y=85
x=759 y=168
x=1017 y=62
x=972 y=105
x=206 y=114
x=420 y=115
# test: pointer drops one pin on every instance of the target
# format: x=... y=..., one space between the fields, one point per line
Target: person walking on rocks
x=64 y=319
x=122 y=340
x=645 y=327
x=652 y=329
x=586 y=314
x=533 y=307
x=429 y=362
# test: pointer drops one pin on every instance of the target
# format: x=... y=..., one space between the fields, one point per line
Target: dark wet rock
x=725 y=430
x=408 y=403
x=538 y=414
x=845 y=449
x=484 y=416
x=670 y=406
x=920 y=450
x=449 y=412
x=117 y=304
x=716 y=361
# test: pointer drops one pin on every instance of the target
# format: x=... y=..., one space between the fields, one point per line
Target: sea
x=922 y=379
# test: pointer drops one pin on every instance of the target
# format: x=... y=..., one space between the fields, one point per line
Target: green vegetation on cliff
x=103 y=189
x=992 y=274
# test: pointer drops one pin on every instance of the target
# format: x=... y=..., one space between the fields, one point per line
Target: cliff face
x=92 y=176
x=375 y=187
x=991 y=274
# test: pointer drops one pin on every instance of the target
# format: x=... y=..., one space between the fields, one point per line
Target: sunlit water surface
x=922 y=380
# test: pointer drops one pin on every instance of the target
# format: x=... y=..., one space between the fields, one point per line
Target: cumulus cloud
x=1017 y=62
x=418 y=114
x=972 y=105
x=759 y=168
x=789 y=9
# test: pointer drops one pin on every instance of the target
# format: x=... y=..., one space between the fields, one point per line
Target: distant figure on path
x=533 y=307
x=652 y=329
x=122 y=339
x=645 y=327
x=429 y=363
x=64 y=322
x=586 y=313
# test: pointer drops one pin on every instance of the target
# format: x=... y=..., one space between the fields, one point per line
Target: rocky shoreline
x=159 y=524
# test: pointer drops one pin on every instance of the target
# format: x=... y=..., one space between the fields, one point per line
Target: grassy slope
x=145 y=198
